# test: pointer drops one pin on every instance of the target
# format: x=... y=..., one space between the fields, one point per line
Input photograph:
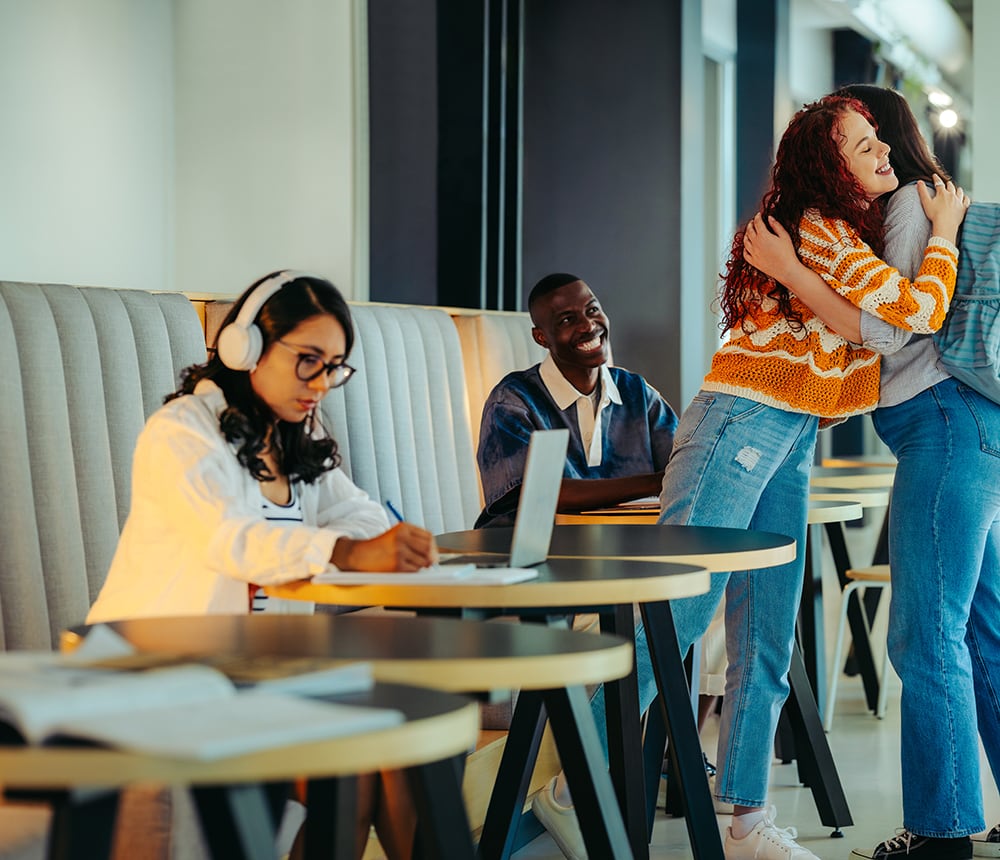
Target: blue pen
x=393 y=511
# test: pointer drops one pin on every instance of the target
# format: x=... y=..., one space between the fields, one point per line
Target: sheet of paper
x=460 y=574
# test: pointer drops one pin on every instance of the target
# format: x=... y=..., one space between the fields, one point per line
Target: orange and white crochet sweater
x=814 y=370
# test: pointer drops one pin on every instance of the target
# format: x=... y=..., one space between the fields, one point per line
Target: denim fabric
x=944 y=616
x=742 y=464
x=637 y=435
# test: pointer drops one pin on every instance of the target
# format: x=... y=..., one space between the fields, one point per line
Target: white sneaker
x=560 y=822
x=766 y=842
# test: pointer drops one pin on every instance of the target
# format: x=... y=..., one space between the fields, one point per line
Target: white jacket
x=196 y=534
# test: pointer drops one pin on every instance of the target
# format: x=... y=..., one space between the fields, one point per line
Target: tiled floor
x=866 y=752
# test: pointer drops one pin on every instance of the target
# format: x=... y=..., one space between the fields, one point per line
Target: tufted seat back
x=82 y=370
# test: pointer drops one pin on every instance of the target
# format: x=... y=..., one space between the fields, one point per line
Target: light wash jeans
x=739 y=464
x=944 y=617
x=742 y=464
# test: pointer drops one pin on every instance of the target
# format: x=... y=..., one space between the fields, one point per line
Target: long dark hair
x=247 y=422
x=810 y=172
x=910 y=156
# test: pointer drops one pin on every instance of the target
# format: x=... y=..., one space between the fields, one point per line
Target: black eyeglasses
x=309 y=366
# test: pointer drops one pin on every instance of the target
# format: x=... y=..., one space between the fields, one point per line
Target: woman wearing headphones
x=234 y=482
x=235 y=485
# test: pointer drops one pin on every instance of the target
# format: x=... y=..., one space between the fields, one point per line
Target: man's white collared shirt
x=565 y=395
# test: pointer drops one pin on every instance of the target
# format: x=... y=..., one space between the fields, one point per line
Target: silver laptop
x=536 y=509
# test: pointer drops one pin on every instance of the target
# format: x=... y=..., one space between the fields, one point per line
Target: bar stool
x=876 y=576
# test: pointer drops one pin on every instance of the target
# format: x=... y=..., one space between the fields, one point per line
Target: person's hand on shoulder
x=946 y=209
x=404 y=547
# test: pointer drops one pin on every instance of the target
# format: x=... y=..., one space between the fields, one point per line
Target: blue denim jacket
x=637 y=435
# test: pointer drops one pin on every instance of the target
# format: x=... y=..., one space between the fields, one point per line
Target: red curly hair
x=810 y=172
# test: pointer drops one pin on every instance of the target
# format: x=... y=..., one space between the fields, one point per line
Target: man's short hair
x=549 y=284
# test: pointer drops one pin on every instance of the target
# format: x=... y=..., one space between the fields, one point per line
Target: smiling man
x=621 y=429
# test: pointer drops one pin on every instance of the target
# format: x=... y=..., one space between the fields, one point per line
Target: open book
x=185 y=711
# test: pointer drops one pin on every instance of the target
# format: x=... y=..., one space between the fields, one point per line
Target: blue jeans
x=944 y=616
x=742 y=464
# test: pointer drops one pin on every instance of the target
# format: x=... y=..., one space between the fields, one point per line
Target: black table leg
x=330 y=830
x=582 y=759
x=682 y=731
x=236 y=821
x=812 y=636
x=513 y=777
x=674 y=806
x=442 y=825
x=83 y=823
x=812 y=751
x=621 y=699
x=654 y=742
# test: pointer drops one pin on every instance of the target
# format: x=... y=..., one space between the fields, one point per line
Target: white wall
x=181 y=144
x=85 y=147
x=810 y=55
x=265 y=149
x=986 y=123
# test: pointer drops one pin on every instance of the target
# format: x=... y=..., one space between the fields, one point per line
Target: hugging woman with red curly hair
x=744 y=446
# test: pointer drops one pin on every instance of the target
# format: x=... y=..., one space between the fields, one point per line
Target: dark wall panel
x=403 y=150
x=601 y=138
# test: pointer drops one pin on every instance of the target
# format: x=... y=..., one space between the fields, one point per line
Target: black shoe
x=908 y=846
x=710 y=768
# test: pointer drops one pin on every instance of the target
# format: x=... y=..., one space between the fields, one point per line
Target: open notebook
x=536 y=515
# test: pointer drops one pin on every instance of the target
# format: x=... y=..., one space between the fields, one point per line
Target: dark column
x=760 y=31
x=603 y=171
x=403 y=151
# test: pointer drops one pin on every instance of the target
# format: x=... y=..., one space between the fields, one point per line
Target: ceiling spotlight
x=948 y=118
x=939 y=98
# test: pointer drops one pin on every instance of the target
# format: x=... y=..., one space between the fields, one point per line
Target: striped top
x=813 y=369
x=287 y=513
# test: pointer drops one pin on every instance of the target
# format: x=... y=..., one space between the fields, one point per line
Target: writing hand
x=404 y=547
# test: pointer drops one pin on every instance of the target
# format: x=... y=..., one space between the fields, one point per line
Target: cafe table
x=718 y=549
x=444 y=653
x=239 y=798
x=563 y=588
x=815 y=762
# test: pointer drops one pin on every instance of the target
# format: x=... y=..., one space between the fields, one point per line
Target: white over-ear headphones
x=239 y=344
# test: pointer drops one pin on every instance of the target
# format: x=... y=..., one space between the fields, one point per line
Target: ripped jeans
x=742 y=464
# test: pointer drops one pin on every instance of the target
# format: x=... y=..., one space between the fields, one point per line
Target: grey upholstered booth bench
x=83 y=369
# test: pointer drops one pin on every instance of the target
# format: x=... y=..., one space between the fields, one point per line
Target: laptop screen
x=536 y=509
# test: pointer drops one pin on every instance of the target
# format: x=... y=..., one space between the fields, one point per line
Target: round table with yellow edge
x=239 y=797
x=444 y=653
x=562 y=588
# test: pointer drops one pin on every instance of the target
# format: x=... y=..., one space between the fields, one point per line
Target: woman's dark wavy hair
x=247 y=420
x=910 y=156
x=809 y=172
